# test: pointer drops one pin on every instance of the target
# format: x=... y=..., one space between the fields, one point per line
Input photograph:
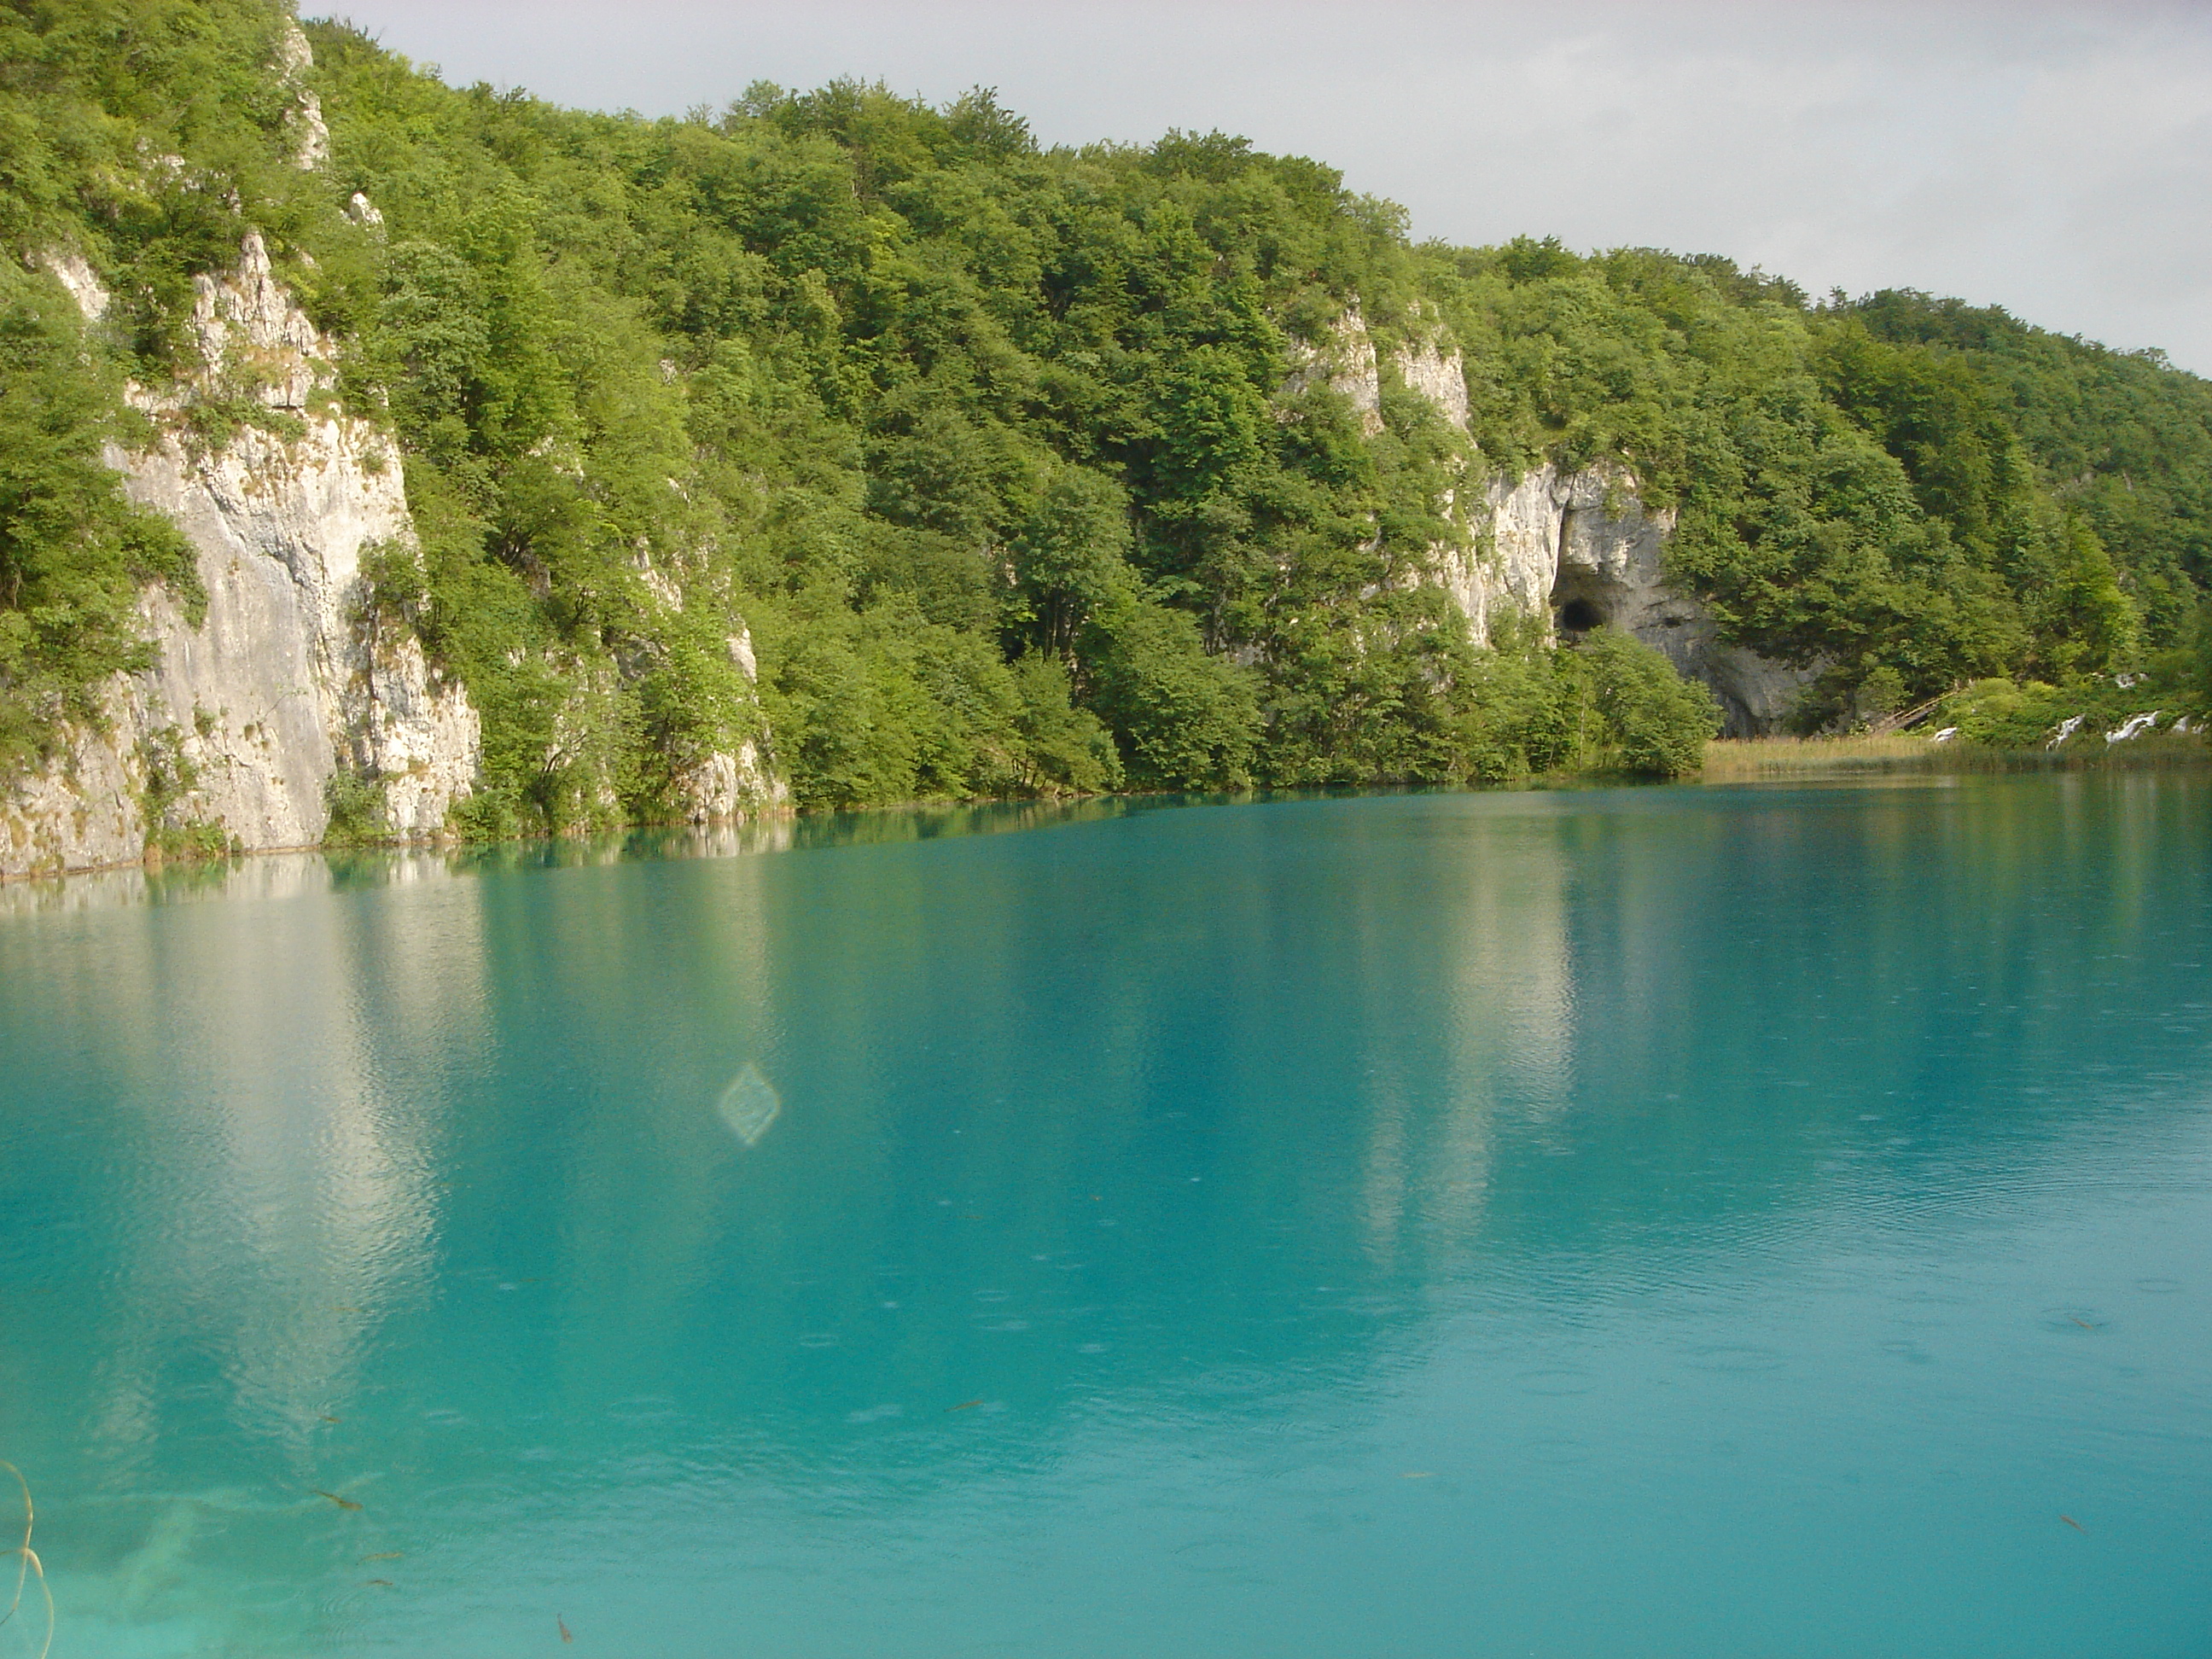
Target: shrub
x=1065 y=749
x=1650 y=720
x=356 y=805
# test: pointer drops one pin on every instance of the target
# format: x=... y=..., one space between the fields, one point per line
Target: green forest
x=997 y=450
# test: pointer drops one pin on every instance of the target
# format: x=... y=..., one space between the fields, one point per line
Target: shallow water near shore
x=1698 y=1221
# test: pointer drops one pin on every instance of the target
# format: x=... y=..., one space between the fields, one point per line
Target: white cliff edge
x=235 y=734
x=727 y=786
x=1345 y=364
x=1572 y=551
x=237 y=729
x=1579 y=550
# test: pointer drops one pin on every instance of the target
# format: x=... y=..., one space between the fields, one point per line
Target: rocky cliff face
x=1438 y=375
x=727 y=786
x=1579 y=550
x=237 y=729
x=1570 y=551
x=1345 y=364
x=287 y=684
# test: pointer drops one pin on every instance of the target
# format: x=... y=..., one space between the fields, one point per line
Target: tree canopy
x=997 y=452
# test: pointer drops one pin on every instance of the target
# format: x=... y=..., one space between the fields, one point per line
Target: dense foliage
x=997 y=452
x=72 y=551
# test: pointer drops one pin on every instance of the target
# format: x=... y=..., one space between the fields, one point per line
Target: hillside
x=836 y=445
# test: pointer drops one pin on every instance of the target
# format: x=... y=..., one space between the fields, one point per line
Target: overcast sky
x=2051 y=157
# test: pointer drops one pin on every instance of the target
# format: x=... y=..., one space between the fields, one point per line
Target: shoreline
x=1734 y=759
x=1728 y=761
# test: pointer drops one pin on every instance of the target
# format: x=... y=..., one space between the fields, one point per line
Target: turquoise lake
x=1690 y=1221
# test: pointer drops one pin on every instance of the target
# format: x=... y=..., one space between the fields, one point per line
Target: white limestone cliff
x=311 y=138
x=234 y=732
x=730 y=786
x=1438 y=375
x=289 y=678
x=238 y=727
x=1345 y=362
x=1579 y=550
x=1348 y=364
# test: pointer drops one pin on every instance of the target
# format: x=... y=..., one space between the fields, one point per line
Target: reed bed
x=1735 y=758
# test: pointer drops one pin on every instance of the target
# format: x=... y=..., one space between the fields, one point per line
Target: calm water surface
x=1687 y=1222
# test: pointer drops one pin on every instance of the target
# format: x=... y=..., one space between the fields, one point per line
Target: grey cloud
x=2055 y=159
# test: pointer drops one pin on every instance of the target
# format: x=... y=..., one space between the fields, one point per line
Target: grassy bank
x=1731 y=758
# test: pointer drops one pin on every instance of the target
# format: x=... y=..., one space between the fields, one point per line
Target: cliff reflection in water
x=1139 y=1124
x=228 y=1113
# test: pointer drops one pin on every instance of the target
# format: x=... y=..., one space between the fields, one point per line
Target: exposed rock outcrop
x=1438 y=375
x=311 y=138
x=1758 y=694
x=1578 y=550
x=289 y=693
x=237 y=733
x=1345 y=364
x=1574 y=550
x=729 y=787
x=1569 y=551
x=237 y=729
